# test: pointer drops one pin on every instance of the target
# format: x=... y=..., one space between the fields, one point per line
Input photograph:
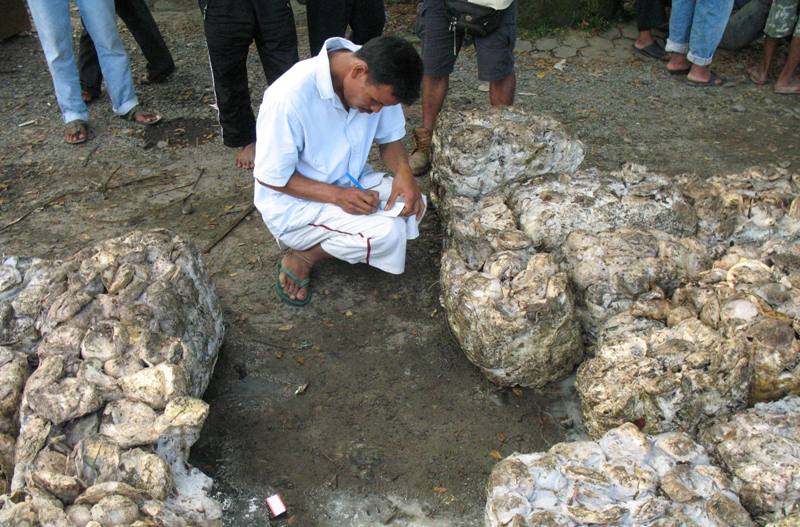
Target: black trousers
x=330 y=18
x=230 y=27
x=650 y=14
x=142 y=26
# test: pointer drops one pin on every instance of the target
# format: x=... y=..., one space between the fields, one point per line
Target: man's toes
x=302 y=293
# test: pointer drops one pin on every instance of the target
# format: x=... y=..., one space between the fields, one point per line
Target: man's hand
x=355 y=201
x=406 y=186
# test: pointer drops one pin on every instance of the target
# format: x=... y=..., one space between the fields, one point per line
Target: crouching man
x=313 y=186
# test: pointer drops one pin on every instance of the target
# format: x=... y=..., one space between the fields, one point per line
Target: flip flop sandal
x=678 y=72
x=75 y=127
x=300 y=283
x=137 y=110
x=653 y=51
x=712 y=82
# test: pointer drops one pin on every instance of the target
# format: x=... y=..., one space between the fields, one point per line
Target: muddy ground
x=359 y=409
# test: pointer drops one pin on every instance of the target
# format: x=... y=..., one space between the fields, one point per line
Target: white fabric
x=374 y=239
x=303 y=126
x=494 y=4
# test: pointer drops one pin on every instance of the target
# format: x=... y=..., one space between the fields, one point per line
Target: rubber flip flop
x=678 y=72
x=712 y=82
x=653 y=51
x=75 y=127
x=301 y=283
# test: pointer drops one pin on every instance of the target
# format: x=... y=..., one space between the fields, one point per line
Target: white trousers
x=374 y=239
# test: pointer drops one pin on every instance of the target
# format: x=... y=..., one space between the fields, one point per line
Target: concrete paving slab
x=564 y=52
x=600 y=43
x=523 y=46
x=546 y=44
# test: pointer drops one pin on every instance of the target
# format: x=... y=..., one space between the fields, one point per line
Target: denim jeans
x=696 y=28
x=53 y=24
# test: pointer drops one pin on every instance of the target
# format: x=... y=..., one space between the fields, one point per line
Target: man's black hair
x=394 y=62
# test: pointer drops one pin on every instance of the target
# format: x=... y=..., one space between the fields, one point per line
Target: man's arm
x=396 y=160
x=351 y=200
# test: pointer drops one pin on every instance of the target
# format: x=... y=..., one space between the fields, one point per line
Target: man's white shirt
x=302 y=125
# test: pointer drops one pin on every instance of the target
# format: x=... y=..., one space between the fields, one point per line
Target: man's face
x=362 y=95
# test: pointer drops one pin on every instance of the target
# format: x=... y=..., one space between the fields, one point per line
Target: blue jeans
x=696 y=28
x=53 y=24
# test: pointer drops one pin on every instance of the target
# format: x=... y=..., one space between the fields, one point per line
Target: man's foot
x=758 y=74
x=246 y=157
x=76 y=132
x=678 y=63
x=89 y=97
x=157 y=78
x=789 y=88
x=144 y=117
x=420 y=158
x=295 y=286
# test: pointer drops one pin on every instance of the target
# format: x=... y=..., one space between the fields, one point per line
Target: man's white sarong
x=376 y=239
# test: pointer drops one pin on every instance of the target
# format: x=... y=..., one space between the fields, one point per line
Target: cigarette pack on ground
x=276 y=505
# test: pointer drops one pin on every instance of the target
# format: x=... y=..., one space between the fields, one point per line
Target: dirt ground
x=359 y=409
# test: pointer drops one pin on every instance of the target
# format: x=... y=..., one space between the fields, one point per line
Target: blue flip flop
x=301 y=283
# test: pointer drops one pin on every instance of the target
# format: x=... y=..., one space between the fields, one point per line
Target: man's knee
x=391 y=232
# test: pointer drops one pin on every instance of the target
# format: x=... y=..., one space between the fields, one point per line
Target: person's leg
x=788 y=82
x=326 y=19
x=439 y=49
x=89 y=68
x=759 y=73
x=229 y=28
x=101 y=23
x=53 y=26
x=710 y=18
x=781 y=21
x=367 y=18
x=379 y=241
x=143 y=27
x=496 y=59
x=650 y=14
x=276 y=42
x=276 y=37
x=680 y=25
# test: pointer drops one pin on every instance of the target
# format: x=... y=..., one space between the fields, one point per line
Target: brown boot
x=420 y=159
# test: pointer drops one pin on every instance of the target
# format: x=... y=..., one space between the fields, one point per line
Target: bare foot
x=246 y=157
x=301 y=268
x=790 y=88
x=678 y=63
x=88 y=97
x=757 y=74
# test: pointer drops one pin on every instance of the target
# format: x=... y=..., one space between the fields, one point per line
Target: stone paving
x=614 y=43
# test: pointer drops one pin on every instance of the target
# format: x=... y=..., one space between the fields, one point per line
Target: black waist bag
x=477 y=20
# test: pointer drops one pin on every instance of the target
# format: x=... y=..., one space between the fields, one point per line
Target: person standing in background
x=330 y=18
x=230 y=27
x=783 y=21
x=695 y=30
x=54 y=27
x=650 y=14
x=143 y=27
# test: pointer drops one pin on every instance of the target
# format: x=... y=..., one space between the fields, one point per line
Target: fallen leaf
x=541 y=75
x=279 y=355
x=300 y=360
x=439 y=490
x=348 y=313
x=501 y=436
x=517 y=391
x=494 y=454
x=286 y=327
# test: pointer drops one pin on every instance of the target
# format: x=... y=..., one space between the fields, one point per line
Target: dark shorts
x=440 y=46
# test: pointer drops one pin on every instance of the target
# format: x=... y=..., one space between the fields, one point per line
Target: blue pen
x=355 y=181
